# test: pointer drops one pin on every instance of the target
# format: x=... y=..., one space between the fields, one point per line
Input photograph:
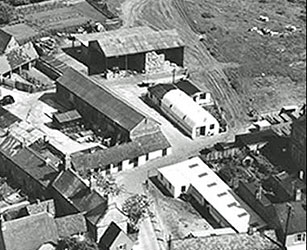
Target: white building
x=183 y=111
x=195 y=178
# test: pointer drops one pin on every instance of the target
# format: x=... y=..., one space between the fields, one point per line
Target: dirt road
x=205 y=70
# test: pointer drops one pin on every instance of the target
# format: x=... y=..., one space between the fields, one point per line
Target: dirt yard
x=243 y=69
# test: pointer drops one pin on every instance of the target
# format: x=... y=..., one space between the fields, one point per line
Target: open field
x=61 y=17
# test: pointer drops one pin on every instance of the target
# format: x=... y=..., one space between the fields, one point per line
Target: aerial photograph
x=153 y=125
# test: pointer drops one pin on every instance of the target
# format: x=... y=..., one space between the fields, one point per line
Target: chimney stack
x=298 y=195
x=301 y=175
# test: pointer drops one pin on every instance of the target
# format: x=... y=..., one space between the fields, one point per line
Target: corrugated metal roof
x=68 y=116
x=101 y=99
x=17 y=57
x=132 y=42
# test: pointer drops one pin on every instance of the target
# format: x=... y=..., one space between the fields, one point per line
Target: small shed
x=68 y=118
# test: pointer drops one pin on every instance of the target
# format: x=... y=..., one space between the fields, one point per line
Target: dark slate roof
x=72 y=188
x=159 y=90
x=21 y=32
x=187 y=87
x=252 y=188
x=71 y=225
x=297 y=222
x=41 y=206
x=7 y=118
x=254 y=137
x=101 y=99
x=30 y=232
x=68 y=116
x=118 y=44
x=114 y=155
x=110 y=235
x=4 y=40
x=27 y=160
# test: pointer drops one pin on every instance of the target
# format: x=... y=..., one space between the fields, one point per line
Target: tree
x=6 y=13
x=107 y=185
x=77 y=243
x=136 y=208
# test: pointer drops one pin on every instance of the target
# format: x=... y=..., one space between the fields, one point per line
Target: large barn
x=180 y=108
x=99 y=106
x=137 y=49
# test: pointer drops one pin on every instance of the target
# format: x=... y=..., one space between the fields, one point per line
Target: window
x=300 y=237
x=169 y=186
x=161 y=177
x=222 y=194
x=184 y=117
x=203 y=175
x=122 y=247
x=147 y=157
x=212 y=184
x=120 y=166
x=234 y=204
x=193 y=165
x=164 y=152
x=183 y=189
x=212 y=126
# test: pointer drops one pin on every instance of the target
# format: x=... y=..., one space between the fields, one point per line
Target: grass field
x=64 y=17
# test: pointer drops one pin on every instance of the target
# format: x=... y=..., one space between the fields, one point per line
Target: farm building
x=139 y=49
x=16 y=59
x=183 y=111
x=124 y=156
x=199 y=96
x=195 y=178
x=99 y=106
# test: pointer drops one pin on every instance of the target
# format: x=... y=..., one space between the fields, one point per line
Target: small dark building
x=68 y=118
x=128 y=50
x=115 y=239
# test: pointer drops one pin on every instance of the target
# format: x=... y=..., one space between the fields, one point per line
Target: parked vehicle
x=6 y=100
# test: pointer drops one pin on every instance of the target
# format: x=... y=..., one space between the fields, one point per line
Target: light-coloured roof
x=17 y=57
x=184 y=107
x=215 y=191
x=86 y=38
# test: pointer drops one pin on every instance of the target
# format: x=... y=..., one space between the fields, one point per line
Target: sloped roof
x=72 y=188
x=101 y=99
x=71 y=225
x=17 y=57
x=110 y=236
x=4 y=40
x=117 y=44
x=21 y=32
x=159 y=90
x=30 y=232
x=68 y=116
x=229 y=242
x=41 y=206
x=28 y=161
x=187 y=87
x=297 y=222
x=7 y=118
x=114 y=155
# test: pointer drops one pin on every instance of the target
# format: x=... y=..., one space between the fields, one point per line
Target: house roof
x=27 y=160
x=4 y=40
x=110 y=235
x=30 y=232
x=252 y=188
x=71 y=225
x=297 y=222
x=7 y=118
x=113 y=214
x=72 y=188
x=119 y=153
x=257 y=241
x=21 y=32
x=159 y=90
x=187 y=87
x=41 y=206
x=101 y=99
x=68 y=116
x=194 y=172
x=17 y=57
x=117 y=44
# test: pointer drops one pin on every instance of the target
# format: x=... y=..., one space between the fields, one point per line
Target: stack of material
x=154 y=62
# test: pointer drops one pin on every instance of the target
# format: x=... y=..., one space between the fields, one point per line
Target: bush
x=6 y=13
